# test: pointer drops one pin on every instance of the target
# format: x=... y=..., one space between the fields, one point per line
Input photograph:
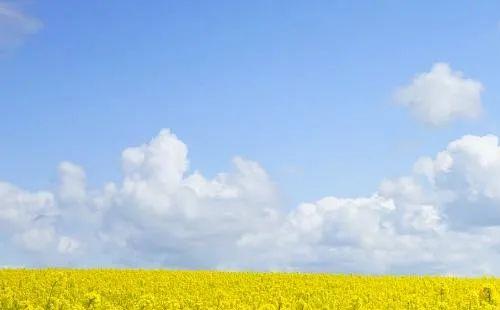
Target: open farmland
x=141 y=289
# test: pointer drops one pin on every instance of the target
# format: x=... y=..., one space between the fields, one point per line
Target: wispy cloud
x=15 y=25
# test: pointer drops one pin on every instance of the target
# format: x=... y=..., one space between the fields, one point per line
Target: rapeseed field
x=65 y=289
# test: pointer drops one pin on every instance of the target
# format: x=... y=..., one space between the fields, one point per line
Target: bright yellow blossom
x=61 y=289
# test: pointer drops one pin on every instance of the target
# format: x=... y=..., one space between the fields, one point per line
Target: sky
x=269 y=135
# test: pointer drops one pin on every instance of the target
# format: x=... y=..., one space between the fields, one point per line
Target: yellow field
x=136 y=289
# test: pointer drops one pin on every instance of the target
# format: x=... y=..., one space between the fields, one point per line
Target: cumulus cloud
x=465 y=176
x=442 y=217
x=20 y=208
x=67 y=245
x=36 y=239
x=441 y=95
x=72 y=183
x=15 y=25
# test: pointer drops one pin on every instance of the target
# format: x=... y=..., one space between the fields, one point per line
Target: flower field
x=140 y=289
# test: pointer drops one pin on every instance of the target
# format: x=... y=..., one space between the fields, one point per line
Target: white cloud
x=72 y=183
x=15 y=25
x=67 y=245
x=441 y=95
x=20 y=208
x=181 y=219
x=444 y=217
x=466 y=176
x=36 y=239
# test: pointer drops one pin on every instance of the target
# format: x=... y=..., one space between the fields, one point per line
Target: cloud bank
x=441 y=95
x=443 y=217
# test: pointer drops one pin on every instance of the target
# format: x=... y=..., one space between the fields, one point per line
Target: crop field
x=141 y=289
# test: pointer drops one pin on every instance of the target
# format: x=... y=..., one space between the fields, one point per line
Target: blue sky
x=304 y=89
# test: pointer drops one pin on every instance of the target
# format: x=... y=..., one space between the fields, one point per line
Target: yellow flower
x=62 y=289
